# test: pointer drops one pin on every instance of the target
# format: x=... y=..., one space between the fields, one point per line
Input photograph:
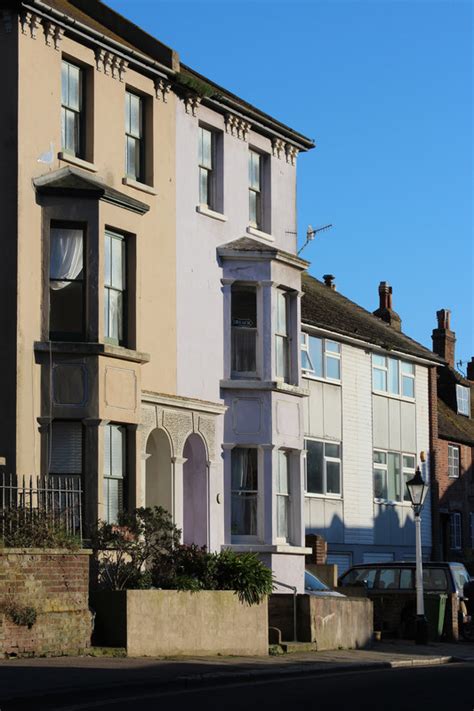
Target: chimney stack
x=329 y=281
x=385 y=310
x=444 y=339
x=470 y=370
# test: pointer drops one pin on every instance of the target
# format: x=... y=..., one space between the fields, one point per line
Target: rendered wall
x=56 y=585
x=173 y=623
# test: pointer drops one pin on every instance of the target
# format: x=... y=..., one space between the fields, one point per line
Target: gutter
x=102 y=40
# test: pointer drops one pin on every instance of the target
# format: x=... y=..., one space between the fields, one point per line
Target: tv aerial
x=311 y=233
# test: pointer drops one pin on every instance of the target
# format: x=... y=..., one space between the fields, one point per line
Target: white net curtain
x=66 y=257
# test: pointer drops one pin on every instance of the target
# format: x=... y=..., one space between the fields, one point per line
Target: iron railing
x=55 y=496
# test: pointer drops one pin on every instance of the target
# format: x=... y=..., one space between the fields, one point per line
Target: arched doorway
x=195 y=495
x=158 y=473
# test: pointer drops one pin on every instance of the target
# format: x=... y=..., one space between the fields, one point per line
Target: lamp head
x=417 y=490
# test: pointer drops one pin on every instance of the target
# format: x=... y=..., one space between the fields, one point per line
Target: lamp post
x=417 y=489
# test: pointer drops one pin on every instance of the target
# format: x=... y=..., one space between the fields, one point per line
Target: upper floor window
x=282 y=341
x=255 y=189
x=134 y=137
x=320 y=357
x=114 y=288
x=244 y=494
x=392 y=470
x=206 y=168
x=115 y=467
x=244 y=331
x=393 y=376
x=463 y=396
x=72 y=109
x=323 y=467
x=66 y=283
x=453 y=461
x=455 y=531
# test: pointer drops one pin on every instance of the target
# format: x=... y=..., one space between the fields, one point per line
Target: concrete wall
x=328 y=622
x=55 y=583
x=172 y=623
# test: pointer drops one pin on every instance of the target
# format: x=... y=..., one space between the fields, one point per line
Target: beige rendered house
x=150 y=284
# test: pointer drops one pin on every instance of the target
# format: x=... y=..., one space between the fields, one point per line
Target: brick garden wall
x=55 y=584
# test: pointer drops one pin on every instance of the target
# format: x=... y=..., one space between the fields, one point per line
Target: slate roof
x=324 y=307
x=454 y=427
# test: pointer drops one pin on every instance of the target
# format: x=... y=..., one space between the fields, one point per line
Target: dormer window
x=463 y=397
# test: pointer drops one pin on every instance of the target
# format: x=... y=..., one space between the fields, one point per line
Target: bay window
x=114 y=472
x=66 y=448
x=282 y=336
x=114 y=288
x=66 y=283
x=244 y=494
x=244 y=331
x=283 y=496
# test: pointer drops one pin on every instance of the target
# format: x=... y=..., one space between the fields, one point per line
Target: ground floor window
x=323 y=467
x=455 y=532
x=244 y=495
x=115 y=468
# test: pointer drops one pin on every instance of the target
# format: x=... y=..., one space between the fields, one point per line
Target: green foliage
x=25 y=528
x=127 y=550
x=199 y=86
x=143 y=551
x=23 y=615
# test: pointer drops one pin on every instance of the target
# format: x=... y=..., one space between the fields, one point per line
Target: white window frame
x=336 y=355
x=77 y=112
x=402 y=375
x=256 y=188
x=137 y=171
x=209 y=169
x=463 y=400
x=324 y=494
x=283 y=455
x=405 y=472
x=455 y=531
x=454 y=467
x=283 y=337
x=240 y=537
x=108 y=475
x=110 y=288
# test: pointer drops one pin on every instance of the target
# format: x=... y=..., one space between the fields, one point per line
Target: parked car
x=437 y=577
x=397 y=579
x=315 y=586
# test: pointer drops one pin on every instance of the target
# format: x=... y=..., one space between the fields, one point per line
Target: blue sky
x=385 y=88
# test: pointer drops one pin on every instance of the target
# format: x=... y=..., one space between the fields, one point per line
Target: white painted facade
x=262 y=412
x=357 y=527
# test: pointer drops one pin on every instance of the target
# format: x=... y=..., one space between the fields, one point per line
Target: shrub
x=245 y=574
x=26 y=528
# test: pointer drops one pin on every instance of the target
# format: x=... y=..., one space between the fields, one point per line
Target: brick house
x=453 y=487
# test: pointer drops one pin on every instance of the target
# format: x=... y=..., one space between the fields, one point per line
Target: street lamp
x=417 y=490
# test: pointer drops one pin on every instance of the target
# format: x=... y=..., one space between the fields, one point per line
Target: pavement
x=25 y=680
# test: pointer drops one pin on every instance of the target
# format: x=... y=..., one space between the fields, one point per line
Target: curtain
x=65 y=257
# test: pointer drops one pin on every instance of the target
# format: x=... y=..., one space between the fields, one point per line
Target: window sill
x=394 y=396
x=139 y=186
x=268 y=548
x=263 y=385
x=74 y=160
x=388 y=502
x=331 y=497
x=258 y=233
x=86 y=348
x=203 y=210
x=319 y=379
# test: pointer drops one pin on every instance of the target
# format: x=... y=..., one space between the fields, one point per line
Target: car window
x=360 y=576
x=387 y=578
x=461 y=577
x=406 y=579
x=311 y=582
x=435 y=579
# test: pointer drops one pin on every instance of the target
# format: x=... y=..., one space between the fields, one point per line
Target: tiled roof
x=454 y=427
x=326 y=308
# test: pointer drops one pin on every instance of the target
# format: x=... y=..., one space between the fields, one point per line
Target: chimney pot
x=329 y=281
x=444 y=319
x=385 y=310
